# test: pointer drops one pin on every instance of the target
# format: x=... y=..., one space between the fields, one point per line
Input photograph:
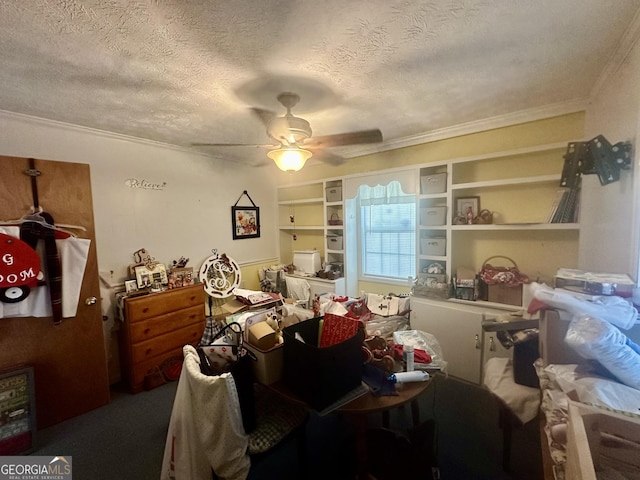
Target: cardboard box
x=598 y=437
x=433 y=216
x=268 y=367
x=334 y=242
x=436 y=183
x=433 y=246
x=262 y=336
x=509 y=295
x=233 y=306
x=320 y=376
x=334 y=194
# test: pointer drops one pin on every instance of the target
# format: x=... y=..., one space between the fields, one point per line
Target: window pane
x=388 y=236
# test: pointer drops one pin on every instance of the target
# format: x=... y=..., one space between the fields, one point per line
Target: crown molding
x=626 y=44
x=490 y=123
x=45 y=122
x=500 y=121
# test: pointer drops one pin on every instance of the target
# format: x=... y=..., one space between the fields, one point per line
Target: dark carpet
x=125 y=439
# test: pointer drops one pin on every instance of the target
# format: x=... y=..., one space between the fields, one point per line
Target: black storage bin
x=320 y=376
x=525 y=353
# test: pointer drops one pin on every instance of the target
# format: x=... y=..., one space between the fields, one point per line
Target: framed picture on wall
x=246 y=222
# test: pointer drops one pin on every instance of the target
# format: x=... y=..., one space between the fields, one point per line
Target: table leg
x=360 y=423
x=415 y=412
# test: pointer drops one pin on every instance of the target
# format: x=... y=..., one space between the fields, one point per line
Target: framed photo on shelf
x=245 y=222
x=130 y=286
x=181 y=277
x=464 y=203
x=145 y=277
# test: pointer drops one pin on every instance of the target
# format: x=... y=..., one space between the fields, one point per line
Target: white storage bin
x=334 y=242
x=307 y=261
x=431 y=216
x=436 y=183
x=433 y=246
x=334 y=194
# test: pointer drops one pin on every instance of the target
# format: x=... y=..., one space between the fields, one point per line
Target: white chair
x=300 y=290
x=206 y=435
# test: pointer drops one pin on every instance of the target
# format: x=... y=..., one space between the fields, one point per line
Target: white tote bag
x=382 y=305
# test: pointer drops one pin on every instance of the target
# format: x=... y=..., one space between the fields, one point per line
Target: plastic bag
x=615 y=310
x=423 y=341
x=596 y=339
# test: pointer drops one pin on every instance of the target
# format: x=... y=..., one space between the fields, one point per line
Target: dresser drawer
x=141 y=308
x=136 y=375
x=157 y=346
x=153 y=327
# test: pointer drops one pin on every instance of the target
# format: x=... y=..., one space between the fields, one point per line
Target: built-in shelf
x=518 y=226
x=298 y=227
x=510 y=181
x=307 y=201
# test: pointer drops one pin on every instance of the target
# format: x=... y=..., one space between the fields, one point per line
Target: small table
x=358 y=409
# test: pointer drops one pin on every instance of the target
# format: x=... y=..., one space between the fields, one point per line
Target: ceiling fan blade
x=328 y=157
x=343 y=139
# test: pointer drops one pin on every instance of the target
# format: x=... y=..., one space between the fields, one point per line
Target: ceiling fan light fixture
x=289 y=159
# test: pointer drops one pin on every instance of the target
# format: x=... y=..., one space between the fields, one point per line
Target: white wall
x=609 y=214
x=189 y=217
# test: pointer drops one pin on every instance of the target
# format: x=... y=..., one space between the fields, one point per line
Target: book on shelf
x=556 y=202
x=565 y=206
x=570 y=207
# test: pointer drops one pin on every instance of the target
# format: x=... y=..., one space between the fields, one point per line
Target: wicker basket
x=497 y=291
x=335 y=219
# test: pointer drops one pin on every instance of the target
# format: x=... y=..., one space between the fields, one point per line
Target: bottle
x=408 y=353
x=469 y=216
x=403 y=377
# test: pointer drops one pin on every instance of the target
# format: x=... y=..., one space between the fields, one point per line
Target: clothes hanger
x=35 y=216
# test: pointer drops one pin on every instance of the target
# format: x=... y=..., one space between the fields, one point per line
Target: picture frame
x=245 y=222
x=18 y=429
x=130 y=286
x=463 y=204
x=181 y=277
x=145 y=277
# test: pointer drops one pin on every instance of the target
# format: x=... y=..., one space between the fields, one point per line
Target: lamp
x=289 y=159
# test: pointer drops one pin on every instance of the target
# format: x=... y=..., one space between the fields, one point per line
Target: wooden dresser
x=156 y=327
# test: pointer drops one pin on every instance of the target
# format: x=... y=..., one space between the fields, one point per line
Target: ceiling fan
x=294 y=141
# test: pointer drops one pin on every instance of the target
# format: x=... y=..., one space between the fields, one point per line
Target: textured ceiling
x=184 y=71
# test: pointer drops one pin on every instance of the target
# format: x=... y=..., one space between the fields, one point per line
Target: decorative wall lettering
x=144 y=184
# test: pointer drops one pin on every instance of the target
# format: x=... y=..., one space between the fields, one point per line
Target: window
x=387 y=232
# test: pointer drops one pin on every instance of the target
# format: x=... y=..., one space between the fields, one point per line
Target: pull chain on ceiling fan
x=295 y=144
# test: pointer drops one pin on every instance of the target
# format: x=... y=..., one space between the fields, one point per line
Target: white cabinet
x=323 y=285
x=458 y=329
